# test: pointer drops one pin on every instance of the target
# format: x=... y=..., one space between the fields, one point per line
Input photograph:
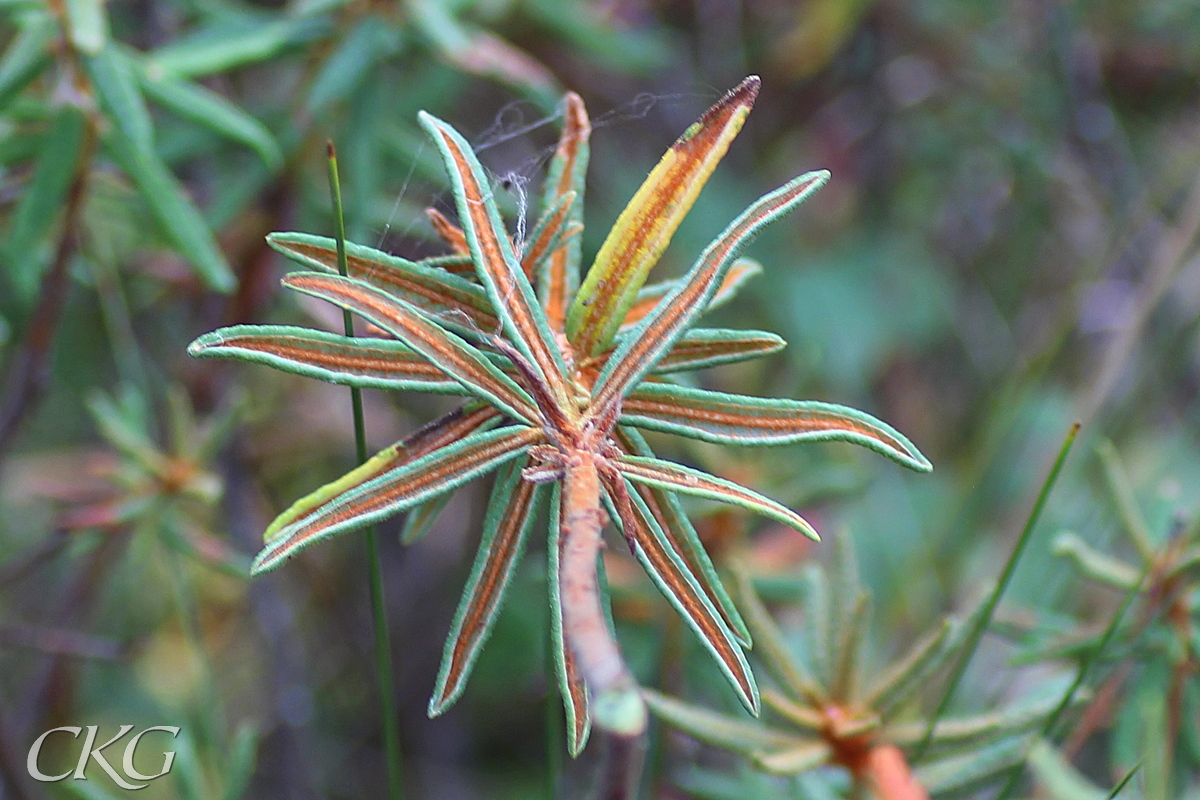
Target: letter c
x=31 y=764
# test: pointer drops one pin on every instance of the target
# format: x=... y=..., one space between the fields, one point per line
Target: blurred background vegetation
x=1007 y=246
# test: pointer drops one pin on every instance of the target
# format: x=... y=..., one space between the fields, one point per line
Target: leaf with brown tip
x=447 y=231
x=568 y=170
x=446 y=351
x=373 y=491
x=510 y=514
x=755 y=421
x=644 y=228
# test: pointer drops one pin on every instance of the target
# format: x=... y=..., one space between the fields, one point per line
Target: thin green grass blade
x=673 y=477
x=28 y=54
x=87 y=24
x=850 y=642
x=989 y=606
x=1093 y=563
x=962 y=732
x=383 y=647
x=510 y=514
x=351 y=502
x=361 y=363
x=654 y=337
x=1084 y=669
x=445 y=350
x=755 y=421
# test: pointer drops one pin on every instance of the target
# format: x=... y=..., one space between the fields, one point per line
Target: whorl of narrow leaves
x=554 y=386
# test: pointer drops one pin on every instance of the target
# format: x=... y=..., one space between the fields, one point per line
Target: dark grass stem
x=1121 y=784
x=383 y=644
x=994 y=599
x=1085 y=668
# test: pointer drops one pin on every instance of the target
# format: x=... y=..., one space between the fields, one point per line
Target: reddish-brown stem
x=616 y=705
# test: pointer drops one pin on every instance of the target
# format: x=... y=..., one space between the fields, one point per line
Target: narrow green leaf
x=978 y=729
x=420 y=518
x=446 y=351
x=754 y=421
x=848 y=652
x=1057 y=778
x=28 y=54
x=1091 y=562
x=969 y=770
x=363 y=363
x=208 y=109
x=360 y=51
x=710 y=347
x=114 y=77
x=168 y=202
x=550 y=233
x=567 y=173
x=654 y=337
x=356 y=503
x=678 y=529
x=43 y=199
x=87 y=23
x=511 y=293
x=679 y=586
x=242 y=758
x=892 y=687
x=1121 y=493
x=570 y=682
x=232 y=42
x=795 y=760
x=455 y=301
x=717 y=729
x=742 y=270
x=511 y=511
x=676 y=478
x=771 y=647
x=646 y=225
x=818 y=628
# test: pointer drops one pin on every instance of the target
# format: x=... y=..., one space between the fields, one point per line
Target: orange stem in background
x=888 y=775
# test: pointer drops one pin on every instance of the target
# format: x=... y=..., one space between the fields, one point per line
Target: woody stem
x=616 y=705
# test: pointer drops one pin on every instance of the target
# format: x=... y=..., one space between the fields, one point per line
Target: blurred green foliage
x=1007 y=245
